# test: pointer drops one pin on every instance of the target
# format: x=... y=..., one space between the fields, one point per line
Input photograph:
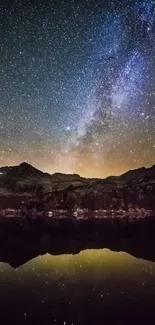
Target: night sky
x=77 y=85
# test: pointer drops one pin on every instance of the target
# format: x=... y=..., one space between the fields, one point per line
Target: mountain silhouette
x=133 y=189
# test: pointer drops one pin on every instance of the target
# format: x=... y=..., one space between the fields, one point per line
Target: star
x=77 y=86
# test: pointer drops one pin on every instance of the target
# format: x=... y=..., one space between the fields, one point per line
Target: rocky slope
x=27 y=179
x=134 y=189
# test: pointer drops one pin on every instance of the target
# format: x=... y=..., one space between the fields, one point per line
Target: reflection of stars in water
x=78 y=92
x=89 y=270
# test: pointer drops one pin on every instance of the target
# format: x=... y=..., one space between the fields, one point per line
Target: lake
x=90 y=287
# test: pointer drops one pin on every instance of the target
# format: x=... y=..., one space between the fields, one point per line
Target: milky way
x=77 y=85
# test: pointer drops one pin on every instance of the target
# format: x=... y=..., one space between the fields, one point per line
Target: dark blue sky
x=77 y=85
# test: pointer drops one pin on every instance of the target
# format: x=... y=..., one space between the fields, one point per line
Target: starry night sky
x=77 y=85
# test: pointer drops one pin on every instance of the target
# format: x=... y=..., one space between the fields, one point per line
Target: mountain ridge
x=135 y=188
x=26 y=166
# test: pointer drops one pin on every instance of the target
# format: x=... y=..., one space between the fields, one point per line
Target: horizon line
x=143 y=167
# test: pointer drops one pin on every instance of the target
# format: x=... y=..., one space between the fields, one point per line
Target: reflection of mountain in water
x=95 y=286
x=17 y=250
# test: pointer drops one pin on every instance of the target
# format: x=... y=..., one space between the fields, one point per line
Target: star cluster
x=77 y=85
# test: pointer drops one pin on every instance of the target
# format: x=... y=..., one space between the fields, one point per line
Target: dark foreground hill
x=134 y=189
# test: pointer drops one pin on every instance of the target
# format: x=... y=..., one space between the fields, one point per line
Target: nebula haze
x=77 y=84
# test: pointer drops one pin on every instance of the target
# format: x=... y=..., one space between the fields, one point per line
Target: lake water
x=92 y=287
